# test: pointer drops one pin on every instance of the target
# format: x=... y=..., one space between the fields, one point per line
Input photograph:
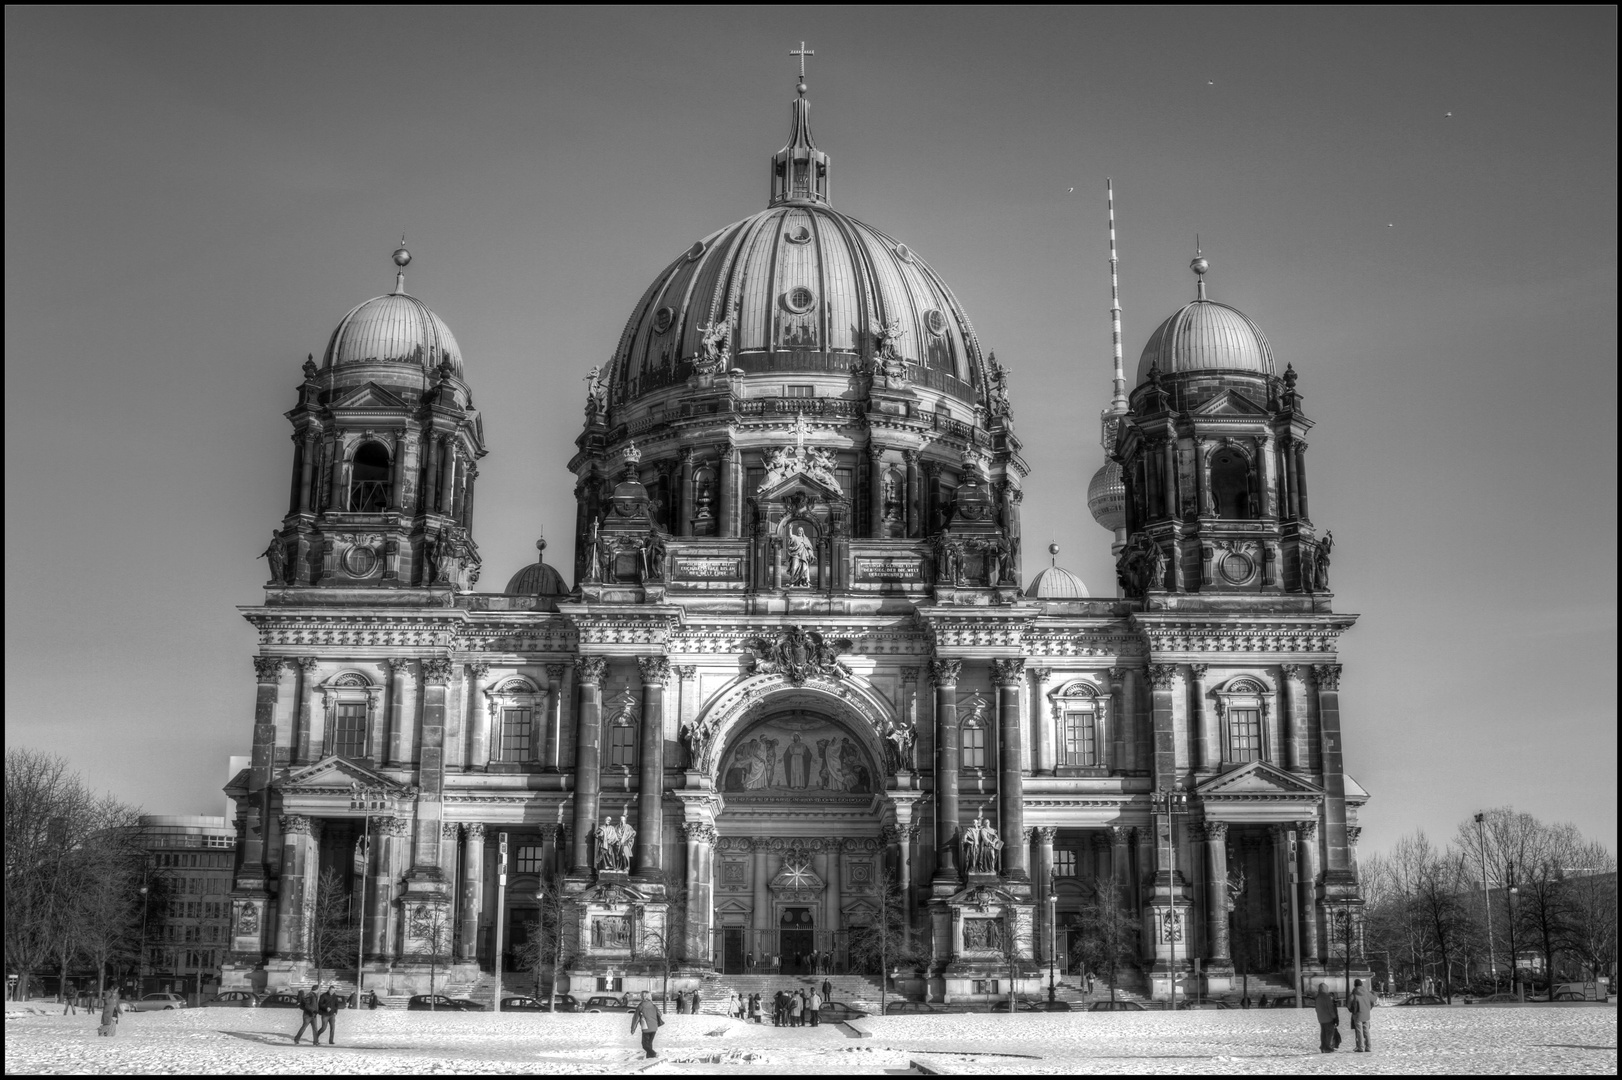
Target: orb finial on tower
x=402 y=259
x=1199 y=265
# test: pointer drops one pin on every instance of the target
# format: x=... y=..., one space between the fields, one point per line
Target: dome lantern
x=800 y=170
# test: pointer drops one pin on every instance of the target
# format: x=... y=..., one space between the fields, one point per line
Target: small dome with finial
x=1056 y=583
x=1206 y=336
x=538 y=579
x=393 y=329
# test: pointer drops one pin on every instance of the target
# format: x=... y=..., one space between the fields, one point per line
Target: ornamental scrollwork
x=798 y=654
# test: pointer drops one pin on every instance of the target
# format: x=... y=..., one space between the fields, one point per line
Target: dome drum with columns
x=794 y=663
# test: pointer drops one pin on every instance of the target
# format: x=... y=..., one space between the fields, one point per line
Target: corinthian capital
x=1008 y=672
x=1327 y=676
x=590 y=670
x=297 y=825
x=478 y=670
x=655 y=669
x=945 y=672
x=1161 y=675
x=268 y=668
x=437 y=671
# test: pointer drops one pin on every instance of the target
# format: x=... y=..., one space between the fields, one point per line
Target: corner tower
x=385 y=440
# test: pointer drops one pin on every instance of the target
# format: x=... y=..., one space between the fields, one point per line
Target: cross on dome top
x=802 y=52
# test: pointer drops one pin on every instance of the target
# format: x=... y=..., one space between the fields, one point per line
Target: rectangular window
x=974 y=747
x=516 y=725
x=986 y=986
x=622 y=745
x=349 y=730
x=1244 y=734
x=1064 y=863
x=1078 y=739
x=529 y=859
x=797 y=391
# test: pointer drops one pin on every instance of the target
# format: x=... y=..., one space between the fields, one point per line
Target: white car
x=156 y=1003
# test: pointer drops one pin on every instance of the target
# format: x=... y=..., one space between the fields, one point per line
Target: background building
x=187 y=910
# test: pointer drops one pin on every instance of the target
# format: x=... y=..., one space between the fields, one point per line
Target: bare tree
x=1589 y=931
x=431 y=926
x=1108 y=935
x=665 y=946
x=886 y=941
x=543 y=944
x=333 y=935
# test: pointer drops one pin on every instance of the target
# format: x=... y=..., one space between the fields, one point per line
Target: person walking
x=693 y=1006
x=109 y=1014
x=681 y=1002
x=814 y=1006
x=327 y=1006
x=827 y=990
x=308 y=1007
x=646 y=1016
x=777 y=1009
x=1328 y=1020
x=1359 y=1006
x=796 y=1008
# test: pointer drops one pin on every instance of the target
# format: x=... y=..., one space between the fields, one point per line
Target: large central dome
x=798 y=287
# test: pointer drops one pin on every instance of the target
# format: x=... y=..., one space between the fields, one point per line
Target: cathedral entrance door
x=732 y=951
x=799 y=940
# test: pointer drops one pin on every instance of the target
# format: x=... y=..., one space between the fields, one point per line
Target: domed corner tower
x=385 y=440
x=798 y=402
x=1212 y=458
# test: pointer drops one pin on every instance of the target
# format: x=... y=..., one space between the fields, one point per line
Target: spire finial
x=1118 y=403
x=802 y=52
x=1200 y=265
x=402 y=259
x=1053 y=552
x=800 y=170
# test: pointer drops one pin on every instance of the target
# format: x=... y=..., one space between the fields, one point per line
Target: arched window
x=1080 y=726
x=975 y=732
x=622 y=733
x=1230 y=483
x=369 y=476
x=1243 y=706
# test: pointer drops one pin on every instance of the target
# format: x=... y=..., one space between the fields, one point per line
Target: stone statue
x=614 y=844
x=1158 y=561
x=980 y=847
x=900 y=742
x=716 y=356
x=890 y=362
x=801 y=556
x=653 y=557
x=277 y=556
x=997 y=386
x=1320 y=567
x=596 y=392
x=433 y=559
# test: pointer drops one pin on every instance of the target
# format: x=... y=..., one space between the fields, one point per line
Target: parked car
x=156 y=1003
x=441 y=1003
x=1497 y=999
x=1115 y=1006
x=1025 y=1005
x=1423 y=999
x=601 y=1003
x=907 y=1008
x=233 y=999
x=524 y=1004
x=282 y=999
x=837 y=1012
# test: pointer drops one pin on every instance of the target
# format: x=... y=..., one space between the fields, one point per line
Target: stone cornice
x=1168 y=633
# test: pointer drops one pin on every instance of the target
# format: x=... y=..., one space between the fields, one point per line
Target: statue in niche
x=797 y=763
x=801 y=557
x=980 y=846
x=276 y=553
x=596 y=392
x=653 y=557
x=900 y=743
x=1320 y=565
x=614 y=845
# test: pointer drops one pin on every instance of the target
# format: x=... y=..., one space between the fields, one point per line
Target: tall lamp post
x=1295 y=921
x=501 y=910
x=367 y=801
x=1053 y=932
x=140 y=961
x=1170 y=804
x=1486 y=895
x=1514 y=955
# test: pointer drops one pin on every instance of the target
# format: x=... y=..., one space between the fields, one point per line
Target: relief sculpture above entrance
x=797 y=754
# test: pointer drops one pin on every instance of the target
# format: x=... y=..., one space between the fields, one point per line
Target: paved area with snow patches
x=1428 y=1041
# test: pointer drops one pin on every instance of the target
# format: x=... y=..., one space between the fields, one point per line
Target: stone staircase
x=481 y=989
x=858 y=991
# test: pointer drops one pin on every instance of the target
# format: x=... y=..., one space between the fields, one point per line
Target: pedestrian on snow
x=1262 y=1004
x=327 y=1006
x=70 y=1003
x=309 y=1010
x=814 y=1006
x=827 y=990
x=777 y=1009
x=754 y=1008
x=646 y=1016
x=1328 y=1020
x=693 y=1005
x=681 y=1002
x=796 y=1010
x=109 y=1014
x=1359 y=1006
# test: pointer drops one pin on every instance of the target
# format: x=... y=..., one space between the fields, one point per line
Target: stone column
x=436 y=676
x=373 y=929
x=760 y=919
x=1045 y=883
x=650 y=817
x=700 y=890
x=1008 y=674
x=306 y=471
x=1174 y=501
x=932 y=484
x=1100 y=843
x=836 y=892
x=447 y=476
x=945 y=673
x=911 y=458
x=1279 y=836
x=1164 y=767
x=1042 y=722
x=472 y=898
x=589 y=672
x=875 y=489
x=552 y=733
x=1301 y=479
x=1120 y=722
x=1208 y=746
x=1148 y=855
x=479 y=722
x=301 y=864
x=1270 y=484
x=306 y=691
x=684 y=526
x=1295 y=756
x=730 y=463
x=394 y=854
x=1306 y=833
x=686 y=708
x=399 y=666
x=1120 y=865
x=336 y=496
x=1292 y=496
x=251 y=858
x=1337 y=845
x=1216 y=891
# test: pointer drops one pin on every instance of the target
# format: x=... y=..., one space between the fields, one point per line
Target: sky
x=1417 y=205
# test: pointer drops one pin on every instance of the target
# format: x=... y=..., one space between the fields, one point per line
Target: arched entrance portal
x=798 y=856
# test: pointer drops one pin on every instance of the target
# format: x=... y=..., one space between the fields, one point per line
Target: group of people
x=320 y=1014
x=1359 y=1004
x=811 y=963
x=796 y=1008
x=687 y=1001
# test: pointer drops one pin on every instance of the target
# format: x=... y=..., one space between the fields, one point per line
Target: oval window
x=903 y=252
x=935 y=321
x=799 y=299
x=695 y=251
x=662 y=320
x=798 y=235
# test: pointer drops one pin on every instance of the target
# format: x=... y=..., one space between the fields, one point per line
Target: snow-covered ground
x=1547 y=1039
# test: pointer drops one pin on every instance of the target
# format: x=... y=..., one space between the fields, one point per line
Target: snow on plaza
x=1483 y=1039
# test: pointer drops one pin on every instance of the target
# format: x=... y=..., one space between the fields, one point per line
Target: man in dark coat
x=1328 y=1020
x=327 y=1006
x=308 y=1009
x=646 y=1016
x=827 y=990
x=1359 y=1006
x=109 y=1014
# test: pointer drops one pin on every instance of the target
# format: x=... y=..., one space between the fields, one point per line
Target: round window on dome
x=935 y=321
x=695 y=251
x=662 y=320
x=799 y=299
x=903 y=252
x=798 y=235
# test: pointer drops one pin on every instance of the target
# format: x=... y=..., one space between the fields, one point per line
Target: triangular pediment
x=337 y=775
x=1230 y=403
x=1257 y=780
x=801 y=483
x=369 y=395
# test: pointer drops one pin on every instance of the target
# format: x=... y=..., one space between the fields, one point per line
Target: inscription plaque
x=700 y=568
x=888 y=568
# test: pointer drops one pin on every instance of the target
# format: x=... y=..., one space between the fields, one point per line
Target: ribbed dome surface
x=1106 y=497
x=805 y=288
x=537 y=579
x=393 y=329
x=1207 y=336
x=1056 y=583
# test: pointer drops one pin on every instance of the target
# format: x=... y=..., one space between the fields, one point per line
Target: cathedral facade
x=793 y=709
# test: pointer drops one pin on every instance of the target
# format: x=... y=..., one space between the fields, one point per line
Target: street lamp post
x=1486 y=895
x=1053 y=933
x=140 y=960
x=501 y=905
x=1295 y=920
x=1170 y=804
x=1514 y=955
